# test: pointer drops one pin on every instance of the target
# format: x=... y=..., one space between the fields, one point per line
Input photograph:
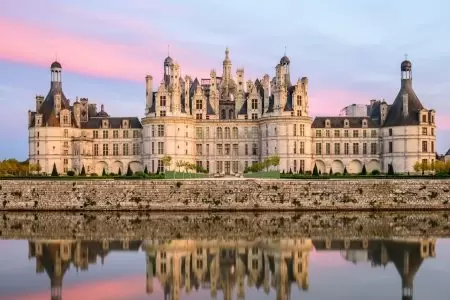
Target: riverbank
x=225 y=194
x=217 y=226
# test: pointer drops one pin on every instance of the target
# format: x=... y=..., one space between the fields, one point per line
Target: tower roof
x=285 y=60
x=168 y=61
x=406 y=65
x=56 y=64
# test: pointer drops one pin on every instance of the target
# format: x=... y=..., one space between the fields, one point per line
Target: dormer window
x=346 y=123
x=327 y=123
x=125 y=123
x=105 y=123
x=424 y=118
x=364 y=123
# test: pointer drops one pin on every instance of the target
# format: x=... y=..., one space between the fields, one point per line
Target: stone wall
x=178 y=225
x=220 y=194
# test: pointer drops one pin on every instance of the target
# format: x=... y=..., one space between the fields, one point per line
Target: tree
x=345 y=171
x=119 y=172
x=390 y=169
x=417 y=166
x=83 y=171
x=331 y=171
x=129 y=171
x=104 y=172
x=364 y=171
x=145 y=170
x=54 y=171
x=166 y=160
x=315 y=171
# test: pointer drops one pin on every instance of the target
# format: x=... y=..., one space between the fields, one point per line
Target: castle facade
x=224 y=124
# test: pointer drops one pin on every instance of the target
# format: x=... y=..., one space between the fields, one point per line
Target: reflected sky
x=298 y=268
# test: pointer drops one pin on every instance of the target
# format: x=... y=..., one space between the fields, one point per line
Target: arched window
x=231 y=114
x=235 y=133
x=227 y=133
x=223 y=114
x=219 y=133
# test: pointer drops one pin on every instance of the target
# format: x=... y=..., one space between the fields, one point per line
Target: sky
x=350 y=50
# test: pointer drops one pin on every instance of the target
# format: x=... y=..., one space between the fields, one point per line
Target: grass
x=182 y=175
x=269 y=174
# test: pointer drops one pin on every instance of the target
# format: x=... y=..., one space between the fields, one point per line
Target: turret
x=55 y=70
x=39 y=101
x=266 y=87
x=77 y=112
x=148 y=91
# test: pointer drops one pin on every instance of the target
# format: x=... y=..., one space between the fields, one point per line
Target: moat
x=120 y=255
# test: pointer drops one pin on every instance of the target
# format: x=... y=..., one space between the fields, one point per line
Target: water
x=231 y=264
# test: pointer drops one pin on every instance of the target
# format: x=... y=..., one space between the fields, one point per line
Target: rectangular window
x=327 y=133
x=432 y=147
x=198 y=104
x=227 y=133
x=135 y=134
x=319 y=148
x=235 y=133
x=105 y=134
x=424 y=131
x=153 y=148
x=227 y=149
x=302 y=129
x=336 y=133
x=135 y=149
x=207 y=149
x=355 y=133
x=199 y=149
x=198 y=116
x=255 y=132
x=105 y=150
x=162 y=113
x=295 y=147
x=162 y=101
x=295 y=129
x=302 y=148
x=160 y=147
x=95 y=134
x=390 y=131
x=254 y=103
x=328 y=148
x=153 y=130
x=254 y=149
x=125 y=134
x=373 y=133
x=246 y=149
x=295 y=166
x=346 y=133
x=234 y=166
x=207 y=166
x=390 y=147
x=219 y=133
x=254 y=116
x=66 y=133
x=346 y=149
x=125 y=150
x=199 y=132
x=115 y=134
x=373 y=148
x=337 y=149
x=364 y=133
x=160 y=166
x=364 y=148
x=424 y=146
x=219 y=149
x=355 y=148
x=115 y=149
x=302 y=165
x=160 y=130
x=318 y=133
x=235 y=150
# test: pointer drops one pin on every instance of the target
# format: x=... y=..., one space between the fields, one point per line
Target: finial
x=406 y=56
x=168 y=50
x=227 y=51
x=285 y=47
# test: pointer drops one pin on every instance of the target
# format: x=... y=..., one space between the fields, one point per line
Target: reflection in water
x=224 y=265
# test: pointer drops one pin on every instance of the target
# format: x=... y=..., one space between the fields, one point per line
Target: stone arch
x=231 y=113
x=99 y=166
x=355 y=167
x=136 y=166
x=116 y=166
x=373 y=164
x=320 y=166
x=337 y=166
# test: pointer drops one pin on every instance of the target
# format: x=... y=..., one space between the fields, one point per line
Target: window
x=153 y=130
x=327 y=148
x=235 y=150
x=227 y=149
x=37 y=134
x=318 y=133
x=364 y=133
x=319 y=148
x=432 y=147
x=198 y=132
x=135 y=134
x=234 y=166
x=246 y=149
x=207 y=149
x=160 y=130
x=160 y=167
x=346 y=149
x=125 y=134
x=373 y=148
x=219 y=133
x=153 y=148
x=299 y=100
x=432 y=131
x=95 y=134
x=346 y=123
x=207 y=132
x=162 y=113
x=66 y=133
x=424 y=146
x=327 y=133
x=235 y=133
x=254 y=149
x=390 y=131
x=219 y=149
x=223 y=114
x=254 y=103
x=364 y=148
x=302 y=148
x=115 y=149
x=295 y=129
x=295 y=147
x=390 y=147
x=115 y=134
x=424 y=131
x=65 y=119
x=337 y=133
x=105 y=150
x=66 y=144
x=198 y=116
x=373 y=133
x=355 y=148
x=160 y=147
x=136 y=149
x=254 y=116
x=227 y=133
x=255 y=132
x=302 y=129
x=424 y=118
x=125 y=149
x=198 y=148
x=162 y=101
x=198 y=104
x=337 y=149
x=105 y=134
x=207 y=166
x=346 y=133
x=355 y=133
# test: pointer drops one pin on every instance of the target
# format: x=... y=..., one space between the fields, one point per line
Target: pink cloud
x=330 y=101
x=327 y=259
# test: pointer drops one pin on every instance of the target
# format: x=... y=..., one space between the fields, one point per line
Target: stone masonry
x=220 y=194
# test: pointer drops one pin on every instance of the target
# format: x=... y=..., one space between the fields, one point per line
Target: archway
x=100 y=166
x=337 y=166
x=320 y=166
x=116 y=166
x=355 y=167
x=136 y=166
x=374 y=164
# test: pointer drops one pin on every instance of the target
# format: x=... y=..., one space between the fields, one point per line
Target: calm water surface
x=261 y=268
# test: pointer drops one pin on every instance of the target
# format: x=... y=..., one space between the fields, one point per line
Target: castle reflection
x=230 y=266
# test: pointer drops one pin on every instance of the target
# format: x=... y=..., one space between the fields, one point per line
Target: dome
x=285 y=60
x=406 y=65
x=56 y=64
x=168 y=61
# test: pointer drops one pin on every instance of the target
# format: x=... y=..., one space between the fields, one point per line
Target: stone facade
x=224 y=124
x=218 y=194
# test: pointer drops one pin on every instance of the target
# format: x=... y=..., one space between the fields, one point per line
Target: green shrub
x=364 y=171
x=70 y=173
x=145 y=170
x=54 y=171
x=129 y=171
x=375 y=172
x=83 y=171
x=315 y=171
x=390 y=170
x=345 y=171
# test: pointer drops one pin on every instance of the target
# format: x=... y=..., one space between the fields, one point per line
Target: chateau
x=225 y=124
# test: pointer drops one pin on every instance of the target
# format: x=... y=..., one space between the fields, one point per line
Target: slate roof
x=114 y=122
x=338 y=122
x=448 y=152
x=395 y=113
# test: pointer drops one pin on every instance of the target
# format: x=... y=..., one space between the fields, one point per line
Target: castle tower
x=55 y=70
x=226 y=74
x=168 y=63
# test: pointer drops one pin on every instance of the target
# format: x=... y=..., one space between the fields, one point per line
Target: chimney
x=405 y=104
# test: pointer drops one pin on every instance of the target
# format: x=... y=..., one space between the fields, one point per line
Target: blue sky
x=350 y=50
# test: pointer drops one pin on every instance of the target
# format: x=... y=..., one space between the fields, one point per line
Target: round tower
x=55 y=70
x=406 y=69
